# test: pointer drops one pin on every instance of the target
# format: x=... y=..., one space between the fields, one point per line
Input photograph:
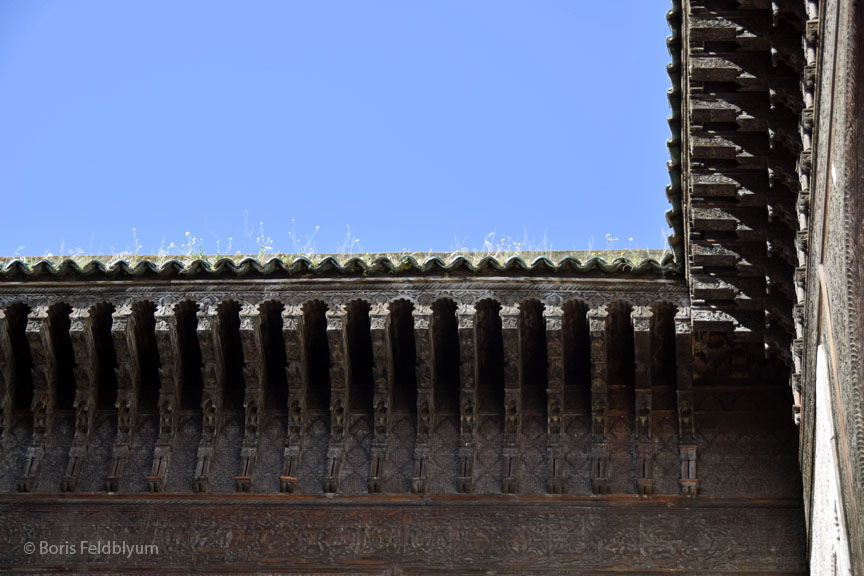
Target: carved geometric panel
x=533 y=464
x=444 y=454
x=358 y=452
x=141 y=455
x=93 y=471
x=313 y=455
x=399 y=466
x=271 y=452
x=226 y=455
x=53 y=465
x=15 y=451
x=184 y=453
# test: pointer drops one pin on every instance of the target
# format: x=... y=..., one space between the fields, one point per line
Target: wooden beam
x=597 y=325
x=297 y=377
x=381 y=401
x=339 y=402
x=128 y=372
x=425 y=397
x=170 y=368
x=555 y=449
x=254 y=376
x=511 y=332
x=644 y=451
x=466 y=317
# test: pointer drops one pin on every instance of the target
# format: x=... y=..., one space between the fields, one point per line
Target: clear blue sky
x=422 y=124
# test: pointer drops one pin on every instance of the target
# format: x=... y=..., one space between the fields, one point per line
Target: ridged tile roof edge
x=675 y=215
x=281 y=267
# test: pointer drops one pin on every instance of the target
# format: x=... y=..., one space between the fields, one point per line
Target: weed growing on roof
x=499 y=247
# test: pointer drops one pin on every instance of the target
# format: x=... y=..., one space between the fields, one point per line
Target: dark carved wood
x=410 y=536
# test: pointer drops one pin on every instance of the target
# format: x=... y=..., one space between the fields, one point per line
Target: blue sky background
x=422 y=125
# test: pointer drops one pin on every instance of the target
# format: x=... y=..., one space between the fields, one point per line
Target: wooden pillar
x=381 y=401
x=510 y=337
x=555 y=449
x=254 y=374
x=641 y=319
x=466 y=317
x=7 y=379
x=684 y=382
x=81 y=335
x=128 y=371
x=44 y=373
x=213 y=376
x=169 y=381
x=295 y=373
x=339 y=404
x=425 y=397
x=597 y=325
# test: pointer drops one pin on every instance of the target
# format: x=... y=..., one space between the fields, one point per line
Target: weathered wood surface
x=405 y=534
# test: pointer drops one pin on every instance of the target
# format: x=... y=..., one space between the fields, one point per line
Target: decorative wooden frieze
x=644 y=451
x=44 y=374
x=597 y=326
x=297 y=377
x=555 y=448
x=466 y=318
x=381 y=402
x=339 y=404
x=425 y=397
x=170 y=369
